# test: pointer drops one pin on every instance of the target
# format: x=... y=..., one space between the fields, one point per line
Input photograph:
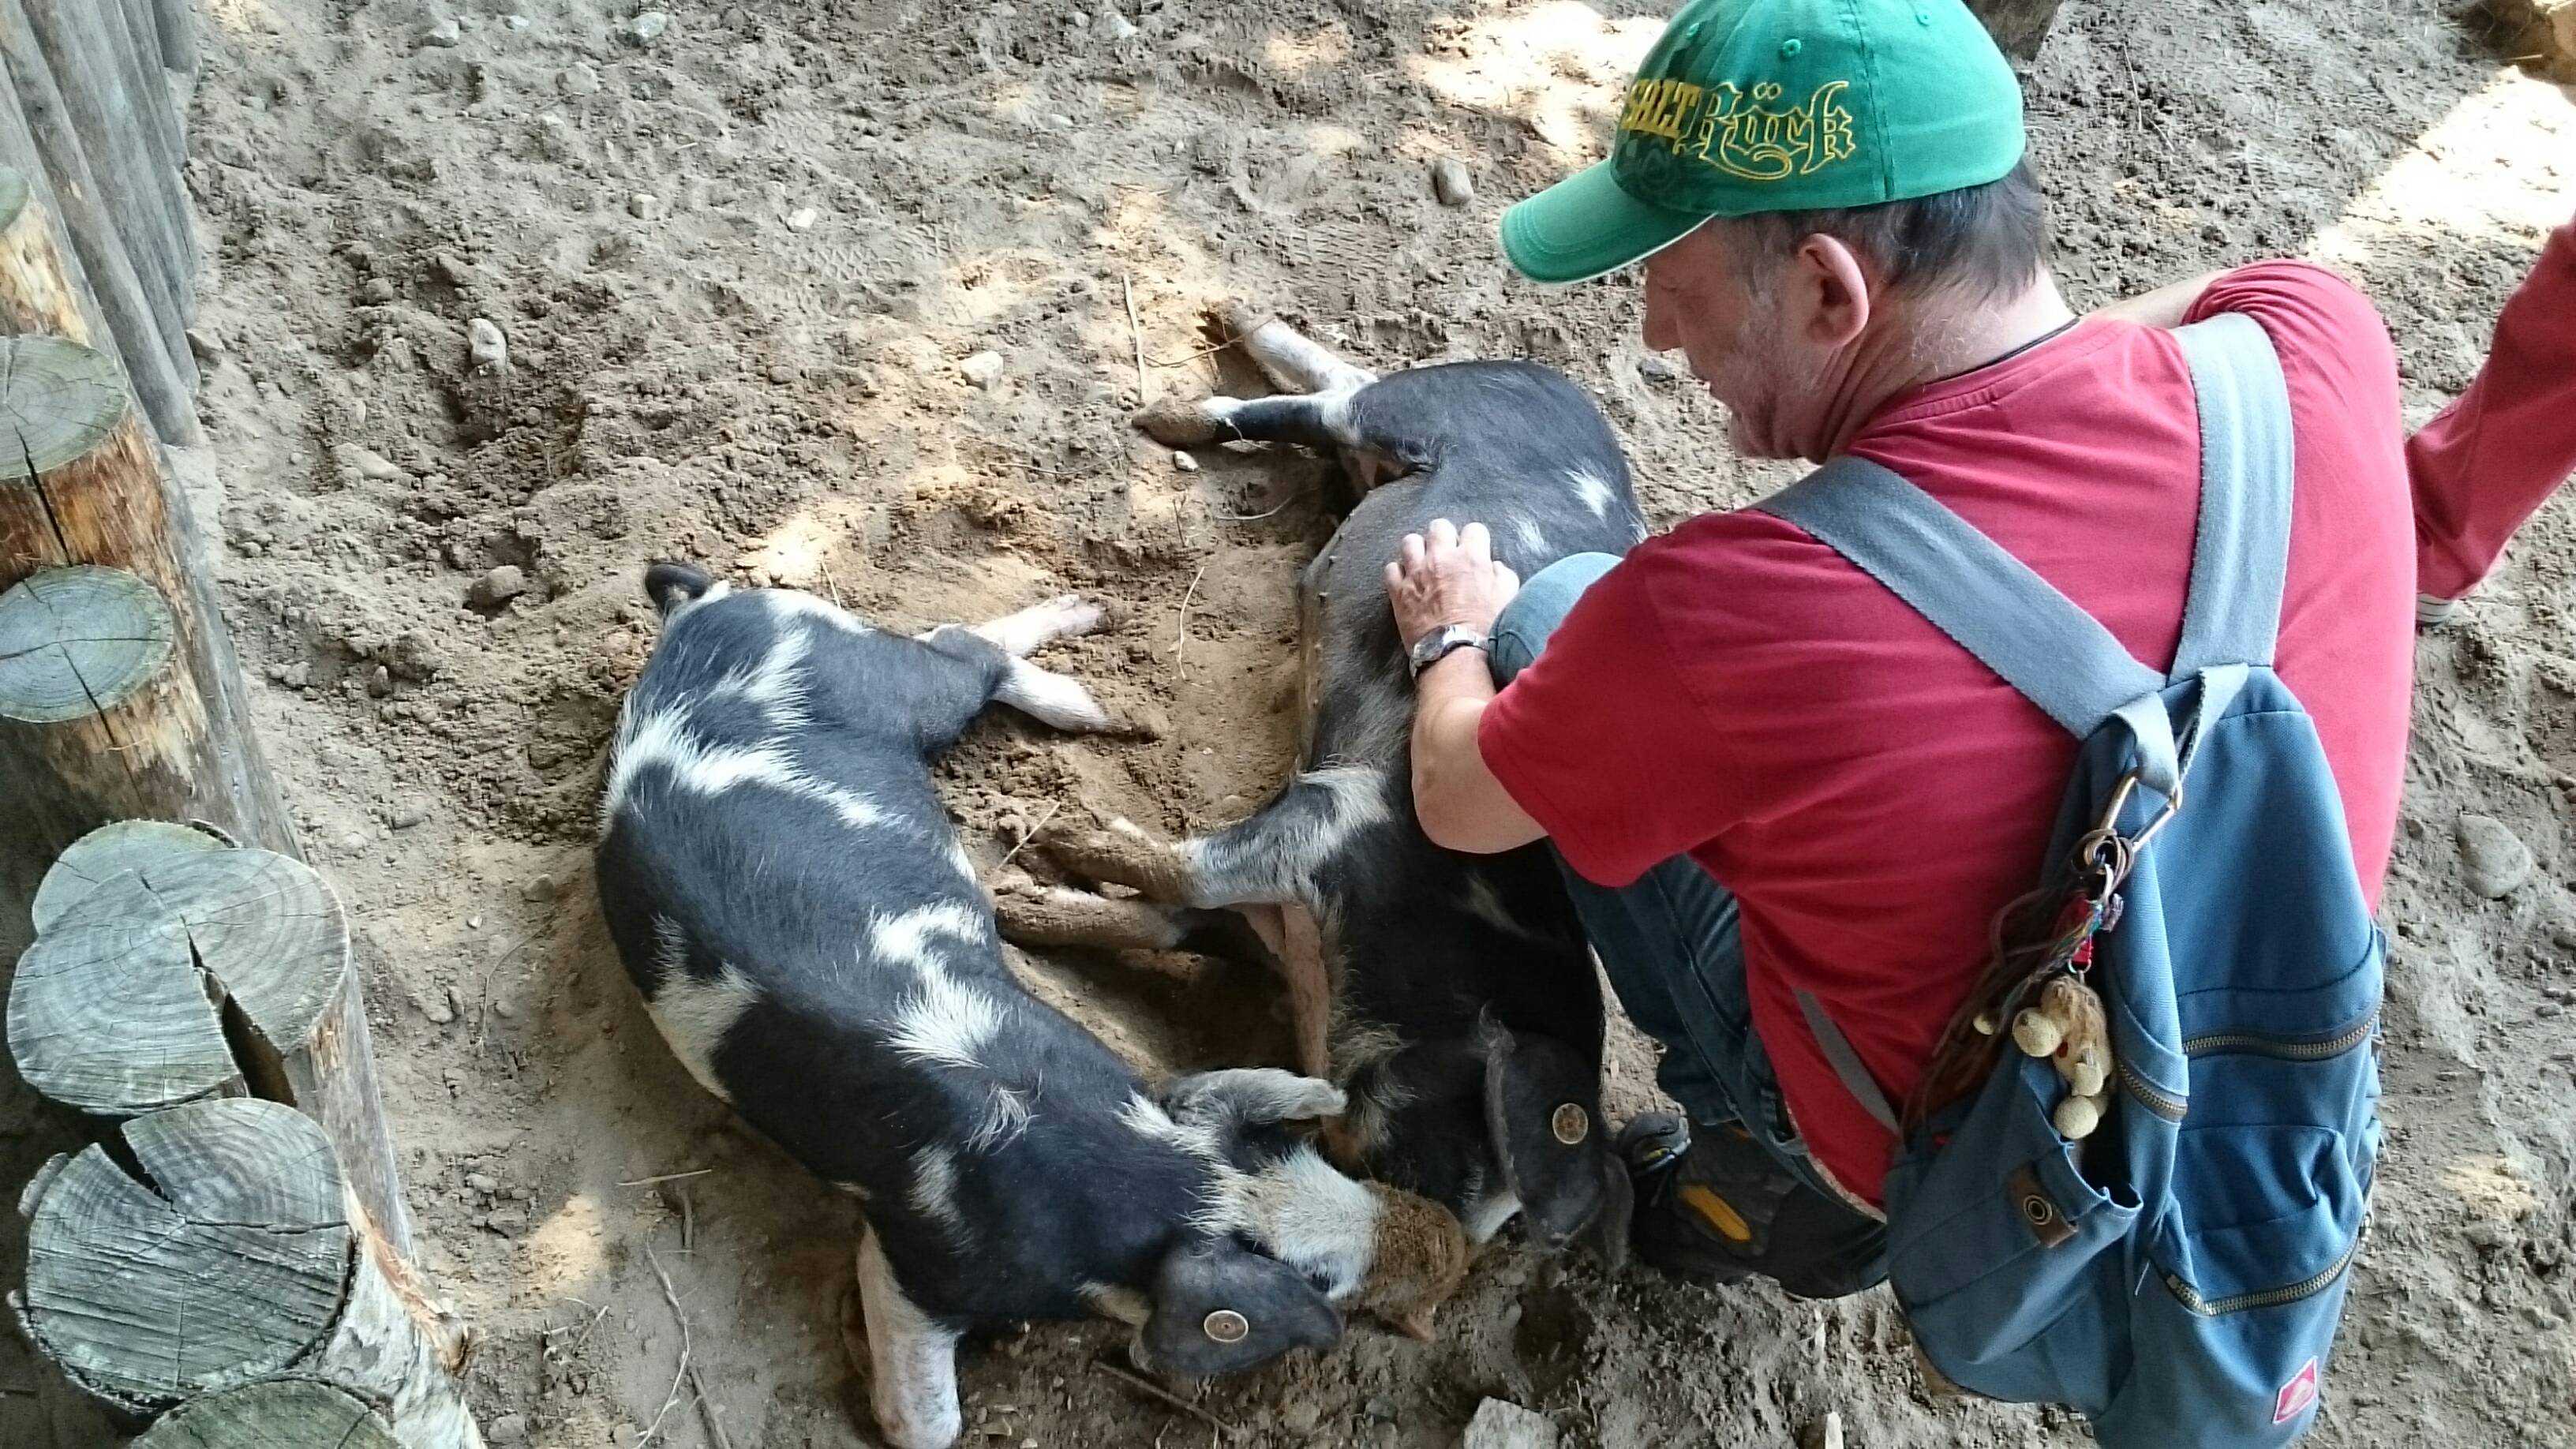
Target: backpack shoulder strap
x=1992 y=604
x=2240 y=555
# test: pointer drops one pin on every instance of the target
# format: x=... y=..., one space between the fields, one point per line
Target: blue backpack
x=2176 y=1276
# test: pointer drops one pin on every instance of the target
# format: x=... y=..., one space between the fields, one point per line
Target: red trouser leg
x=2491 y=458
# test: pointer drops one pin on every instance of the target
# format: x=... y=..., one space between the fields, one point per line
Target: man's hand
x=1447 y=575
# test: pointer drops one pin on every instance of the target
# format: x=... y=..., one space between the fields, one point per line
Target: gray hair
x=1977 y=243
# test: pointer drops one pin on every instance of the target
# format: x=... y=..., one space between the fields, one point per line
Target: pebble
x=381 y=682
x=644 y=206
x=353 y=842
x=1185 y=462
x=444 y=33
x=1116 y=26
x=1654 y=368
x=646 y=28
x=409 y=814
x=482 y=1182
x=803 y=218
x=368 y=463
x=485 y=347
x=517 y=22
x=1379 y=1409
x=1500 y=1424
x=983 y=369
x=508 y=1429
x=498 y=587
x=210 y=353
x=542 y=888
x=1451 y=183
x=438 y=1011
x=1300 y=1419
x=376 y=291
x=2493 y=861
x=577 y=80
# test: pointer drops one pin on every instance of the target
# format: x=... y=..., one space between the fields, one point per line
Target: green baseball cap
x=1747 y=106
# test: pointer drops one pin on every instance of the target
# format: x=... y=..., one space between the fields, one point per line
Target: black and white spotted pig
x=1465 y=1019
x=813 y=944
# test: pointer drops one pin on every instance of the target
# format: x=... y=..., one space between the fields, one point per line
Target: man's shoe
x=1718 y=1208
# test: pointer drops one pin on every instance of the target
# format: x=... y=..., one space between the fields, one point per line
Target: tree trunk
x=2018 y=26
x=168 y=969
x=151 y=341
x=81 y=485
x=224 y=1256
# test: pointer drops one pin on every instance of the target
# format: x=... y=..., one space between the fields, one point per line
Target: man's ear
x=1220 y=1308
x=1831 y=297
x=1543 y=1116
x=1250 y=1097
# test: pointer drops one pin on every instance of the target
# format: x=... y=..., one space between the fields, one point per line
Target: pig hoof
x=1242 y=319
x=1122 y=854
x=1177 y=424
x=1073 y=615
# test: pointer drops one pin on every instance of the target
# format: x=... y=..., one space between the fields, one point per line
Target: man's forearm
x=1459 y=802
x=2165 y=306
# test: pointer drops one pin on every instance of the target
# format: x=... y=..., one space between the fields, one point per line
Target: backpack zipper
x=2172 y=1108
x=2308 y=1287
x=2295 y=1051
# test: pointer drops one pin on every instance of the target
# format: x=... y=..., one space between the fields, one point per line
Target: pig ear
x=1220 y=1308
x=1543 y=1115
x=1251 y=1097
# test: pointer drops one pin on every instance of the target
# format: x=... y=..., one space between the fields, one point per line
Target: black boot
x=1719 y=1208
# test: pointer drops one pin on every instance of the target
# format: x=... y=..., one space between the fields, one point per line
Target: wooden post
x=169 y=969
x=143 y=320
x=81 y=485
x=80 y=50
x=223 y=1257
x=2018 y=26
x=272 y=1411
x=178 y=26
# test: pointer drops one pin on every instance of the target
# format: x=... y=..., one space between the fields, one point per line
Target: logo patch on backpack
x=2296 y=1396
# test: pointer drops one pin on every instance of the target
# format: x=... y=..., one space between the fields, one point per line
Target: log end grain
x=58 y=400
x=272 y=1411
x=79 y=641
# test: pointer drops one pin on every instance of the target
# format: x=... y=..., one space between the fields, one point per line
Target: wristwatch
x=1440 y=643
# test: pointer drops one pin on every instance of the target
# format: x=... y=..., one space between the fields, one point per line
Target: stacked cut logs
x=230 y=1264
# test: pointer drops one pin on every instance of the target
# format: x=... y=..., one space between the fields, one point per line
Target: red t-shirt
x=1867 y=789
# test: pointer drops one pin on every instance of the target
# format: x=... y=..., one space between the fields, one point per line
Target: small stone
x=1653 y=367
x=542 y=888
x=444 y=34
x=409 y=814
x=509 y=1428
x=1060 y=121
x=803 y=218
x=209 y=352
x=353 y=842
x=485 y=347
x=2493 y=861
x=1380 y=1409
x=646 y=28
x=437 y=1009
x=983 y=369
x=516 y=22
x=1500 y=1424
x=498 y=587
x=1184 y=462
x=376 y=291
x=482 y=1182
x=1300 y=1419
x=381 y=682
x=1115 y=27
x=577 y=79
x=2548 y=1009
x=644 y=206
x=368 y=463
x=474 y=923
x=1451 y=183
x=508 y=1222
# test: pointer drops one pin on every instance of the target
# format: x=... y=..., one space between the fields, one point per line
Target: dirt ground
x=738 y=262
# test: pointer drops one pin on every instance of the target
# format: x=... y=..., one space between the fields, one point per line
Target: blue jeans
x=1670 y=942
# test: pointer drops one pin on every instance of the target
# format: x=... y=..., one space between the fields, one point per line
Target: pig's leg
x=1033 y=915
x=912 y=1359
x=1307 y=972
x=1276 y=857
x=999 y=645
x=1292 y=359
